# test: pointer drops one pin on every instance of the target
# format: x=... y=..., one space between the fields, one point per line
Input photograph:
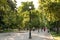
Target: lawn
x=55 y=36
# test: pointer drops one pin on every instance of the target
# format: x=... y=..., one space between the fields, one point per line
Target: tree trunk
x=57 y=26
x=57 y=30
x=38 y=29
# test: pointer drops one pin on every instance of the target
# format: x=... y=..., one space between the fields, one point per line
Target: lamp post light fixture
x=30 y=23
x=30 y=7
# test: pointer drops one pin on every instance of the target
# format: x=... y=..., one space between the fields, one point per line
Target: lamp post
x=30 y=23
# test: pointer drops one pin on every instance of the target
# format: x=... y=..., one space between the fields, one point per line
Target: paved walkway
x=24 y=36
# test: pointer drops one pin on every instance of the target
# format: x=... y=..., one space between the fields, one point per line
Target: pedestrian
x=44 y=29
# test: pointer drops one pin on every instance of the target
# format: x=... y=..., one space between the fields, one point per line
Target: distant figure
x=44 y=29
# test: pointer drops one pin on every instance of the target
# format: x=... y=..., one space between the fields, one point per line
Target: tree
x=19 y=21
x=6 y=13
x=43 y=15
x=35 y=21
x=54 y=7
x=51 y=10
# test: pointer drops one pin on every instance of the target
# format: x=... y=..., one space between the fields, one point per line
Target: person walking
x=44 y=29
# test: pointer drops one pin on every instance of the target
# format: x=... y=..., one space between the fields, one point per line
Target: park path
x=41 y=35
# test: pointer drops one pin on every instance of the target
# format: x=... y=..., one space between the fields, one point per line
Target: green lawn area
x=55 y=36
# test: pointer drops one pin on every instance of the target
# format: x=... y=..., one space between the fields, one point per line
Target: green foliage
x=55 y=8
x=54 y=34
x=31 y=16
x=19 y=21
x=35 y=21
x=7 y=14
x=50 y=11
x=25 y=6
x=12 y=4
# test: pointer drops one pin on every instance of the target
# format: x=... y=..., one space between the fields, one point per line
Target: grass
x=55 y=36
x=4 y=31
x=7 y=30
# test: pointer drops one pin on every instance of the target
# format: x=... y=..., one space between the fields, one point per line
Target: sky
x=35 y=2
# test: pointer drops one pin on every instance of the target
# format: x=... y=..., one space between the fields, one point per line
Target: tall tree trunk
x=57 y=26
x=38 y=29
x=57 y=30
